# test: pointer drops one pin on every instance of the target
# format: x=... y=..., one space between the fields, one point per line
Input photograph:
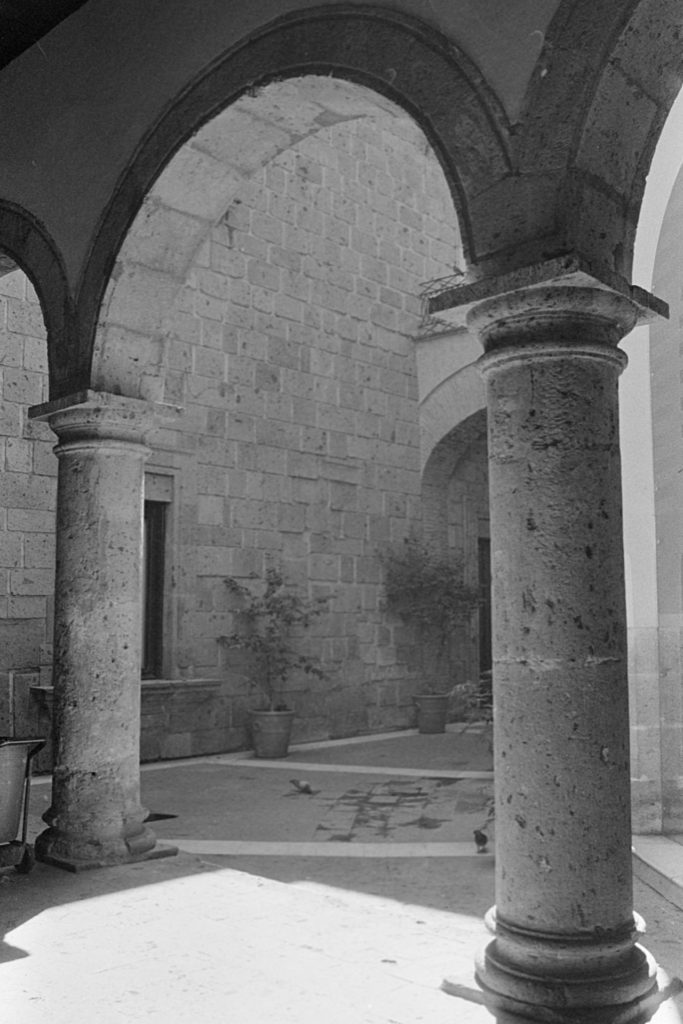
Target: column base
x=82 y=865
x=51 y=848
x=507 y=1010
x=630 y=996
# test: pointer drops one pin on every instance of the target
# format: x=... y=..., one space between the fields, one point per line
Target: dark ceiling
x=25 y=22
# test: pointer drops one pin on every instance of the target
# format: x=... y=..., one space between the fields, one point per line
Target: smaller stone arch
x=27 y=244
x=455 y=512
x=453 y=400
x=443 y=464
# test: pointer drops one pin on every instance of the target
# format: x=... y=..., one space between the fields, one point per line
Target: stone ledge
x=162 y=686
x=148 y=685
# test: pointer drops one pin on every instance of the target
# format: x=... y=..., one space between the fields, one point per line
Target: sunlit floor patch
x=233 y=946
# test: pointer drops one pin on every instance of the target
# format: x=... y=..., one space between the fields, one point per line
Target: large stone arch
x=206 y=136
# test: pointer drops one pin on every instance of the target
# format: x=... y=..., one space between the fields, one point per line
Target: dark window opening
x=153 y=552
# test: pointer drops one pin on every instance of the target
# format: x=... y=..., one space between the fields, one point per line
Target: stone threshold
x=260 y=848
x=348 y=769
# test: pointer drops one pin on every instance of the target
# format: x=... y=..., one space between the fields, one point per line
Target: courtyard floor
x=349 y=904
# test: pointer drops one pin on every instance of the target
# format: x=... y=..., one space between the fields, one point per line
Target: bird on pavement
x=302 y=786
x=481 y=839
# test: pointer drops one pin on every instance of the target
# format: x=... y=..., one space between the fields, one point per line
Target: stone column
x=565 y=933
x=95 y=817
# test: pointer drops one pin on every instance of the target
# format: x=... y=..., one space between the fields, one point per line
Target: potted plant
x=269 y=616
x=428 y=593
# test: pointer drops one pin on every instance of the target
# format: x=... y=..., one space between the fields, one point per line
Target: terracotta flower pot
x=270 y=733
x=432 y=712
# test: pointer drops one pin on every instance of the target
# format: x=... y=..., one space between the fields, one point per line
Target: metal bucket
x=14 y=774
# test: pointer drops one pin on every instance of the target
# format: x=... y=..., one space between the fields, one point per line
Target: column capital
x=562 y=295
x=556 y=317
x=88 y=417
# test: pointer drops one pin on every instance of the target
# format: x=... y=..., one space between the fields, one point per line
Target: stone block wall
x=291 y=350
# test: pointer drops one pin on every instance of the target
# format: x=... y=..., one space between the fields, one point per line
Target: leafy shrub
x=269 y=618
x=428 y=593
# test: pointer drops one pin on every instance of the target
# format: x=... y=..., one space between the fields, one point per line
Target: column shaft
x=96 y=816
x=563 y=923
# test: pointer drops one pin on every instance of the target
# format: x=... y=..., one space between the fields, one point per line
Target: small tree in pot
x=269 y=618
x=427 y=592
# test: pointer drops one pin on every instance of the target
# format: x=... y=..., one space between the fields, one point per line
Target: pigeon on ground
x=302 y=786
x=481 y=839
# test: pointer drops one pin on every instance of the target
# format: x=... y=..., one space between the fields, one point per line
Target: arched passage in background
x=456 y=520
